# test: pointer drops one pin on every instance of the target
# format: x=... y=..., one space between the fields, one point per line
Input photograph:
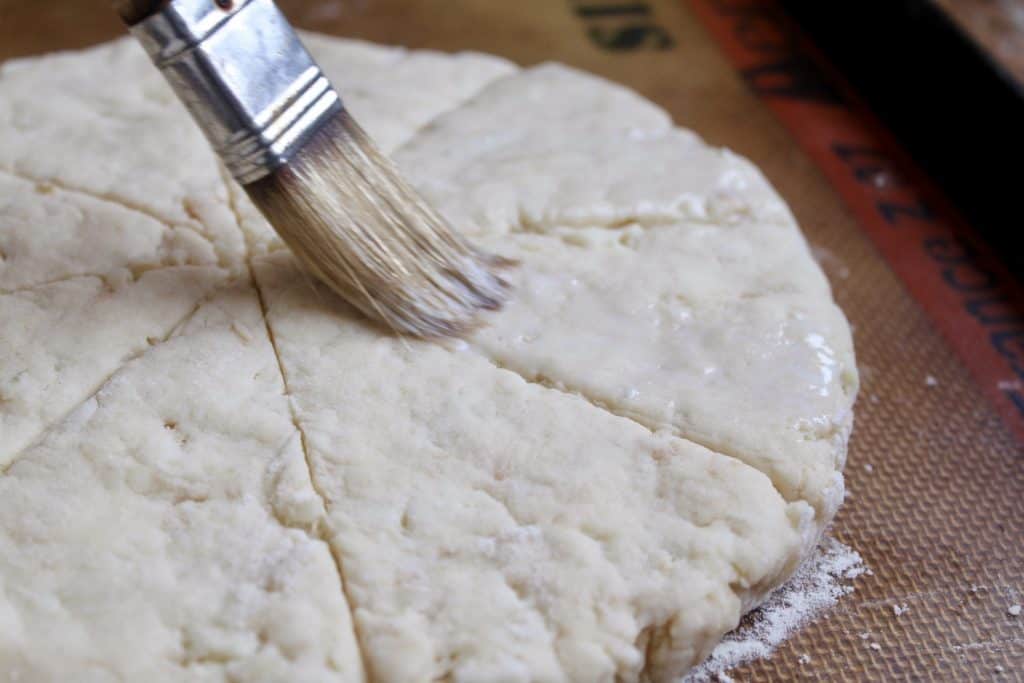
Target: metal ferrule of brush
x=244 y=75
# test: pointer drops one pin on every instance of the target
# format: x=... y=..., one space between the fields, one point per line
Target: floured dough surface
x=211 y=469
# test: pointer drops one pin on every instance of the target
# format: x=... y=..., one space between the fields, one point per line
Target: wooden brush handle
x=134 y=11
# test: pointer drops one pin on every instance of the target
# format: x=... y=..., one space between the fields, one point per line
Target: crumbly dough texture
x=212 y=470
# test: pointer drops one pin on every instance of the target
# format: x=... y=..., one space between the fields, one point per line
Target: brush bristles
x=349 y=217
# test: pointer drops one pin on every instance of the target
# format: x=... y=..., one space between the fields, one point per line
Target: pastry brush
x=282 y=131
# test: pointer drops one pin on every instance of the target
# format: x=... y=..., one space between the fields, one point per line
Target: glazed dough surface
x=212 y=470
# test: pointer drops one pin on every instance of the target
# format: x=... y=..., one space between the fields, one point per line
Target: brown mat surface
x=939 y=518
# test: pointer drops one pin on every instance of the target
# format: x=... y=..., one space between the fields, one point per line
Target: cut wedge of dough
x=163 y=531
x=490 y=528
x=662 y=278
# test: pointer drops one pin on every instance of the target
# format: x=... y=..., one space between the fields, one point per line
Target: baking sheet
x=939 y=518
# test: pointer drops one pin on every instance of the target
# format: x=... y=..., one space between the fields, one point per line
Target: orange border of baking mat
x=967 y=293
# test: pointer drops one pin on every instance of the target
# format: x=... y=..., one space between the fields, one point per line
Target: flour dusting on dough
x=823 y=579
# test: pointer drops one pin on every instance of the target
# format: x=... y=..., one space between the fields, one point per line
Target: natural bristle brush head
x=348 y=216
x=338 y=203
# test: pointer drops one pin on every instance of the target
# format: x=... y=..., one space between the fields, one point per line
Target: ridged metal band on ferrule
x=245 y=77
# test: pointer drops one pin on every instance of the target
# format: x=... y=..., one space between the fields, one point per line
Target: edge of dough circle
x=212 y=470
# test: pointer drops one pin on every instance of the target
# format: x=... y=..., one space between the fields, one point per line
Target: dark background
x=948 y=79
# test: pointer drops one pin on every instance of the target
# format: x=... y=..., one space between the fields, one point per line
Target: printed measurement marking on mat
x=621 y=26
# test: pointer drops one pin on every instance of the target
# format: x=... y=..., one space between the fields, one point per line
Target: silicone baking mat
x=935 y=472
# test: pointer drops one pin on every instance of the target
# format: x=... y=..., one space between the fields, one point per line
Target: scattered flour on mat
x=817 y=586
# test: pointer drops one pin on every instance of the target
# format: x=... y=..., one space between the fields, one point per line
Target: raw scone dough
x=211 y=469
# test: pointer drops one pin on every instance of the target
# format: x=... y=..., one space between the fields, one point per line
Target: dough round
x=210 y=469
